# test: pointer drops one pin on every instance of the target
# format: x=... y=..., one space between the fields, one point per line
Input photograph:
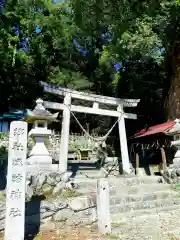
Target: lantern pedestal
x=39 y=153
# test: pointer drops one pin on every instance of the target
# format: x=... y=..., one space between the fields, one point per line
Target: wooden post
x=103 y=208
x=63 y=158
x=163 y=154
x=137 y=163
x=123 y=141
x=137 y=160
x=16 y=182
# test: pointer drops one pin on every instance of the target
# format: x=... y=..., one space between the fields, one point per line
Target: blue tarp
x=14 y=114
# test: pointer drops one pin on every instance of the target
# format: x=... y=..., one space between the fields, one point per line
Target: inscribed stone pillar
x=123 y=142
x=16 y=182
x=63 y=160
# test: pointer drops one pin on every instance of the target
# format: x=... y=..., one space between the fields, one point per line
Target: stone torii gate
x=66 y=107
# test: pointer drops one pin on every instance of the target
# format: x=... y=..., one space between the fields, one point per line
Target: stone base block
x=36 y=168
x=139 y=172
x=43 y=159
x=176 y=161
x=111 y=159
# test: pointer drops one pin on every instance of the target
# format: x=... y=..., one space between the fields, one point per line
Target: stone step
x=123 y=181
x=142 y=212
x=118 y=190
x=78 y=167
x=139 y=189
x=130 y=181
x=142 y=198
x=121 y=208
x=124 y=218
x=94 y=176
x=151 y=226
x=162 y=235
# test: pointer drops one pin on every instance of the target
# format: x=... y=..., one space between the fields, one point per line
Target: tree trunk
x=173 y=101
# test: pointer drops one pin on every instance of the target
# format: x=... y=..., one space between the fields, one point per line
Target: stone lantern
x=175 y=133
x=40 y=117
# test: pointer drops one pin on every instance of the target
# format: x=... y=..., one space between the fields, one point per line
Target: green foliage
x=173 y=238
x=69 y=193
x=3 y=151
x=3 y=147
x=112 y=236
x=142 y=35
x=68 y=78
x=51 y=56
x=177 y=186
x=3 y=135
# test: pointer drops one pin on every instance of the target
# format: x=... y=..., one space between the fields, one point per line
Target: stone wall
x=78 y=210
x=172 y=176
x=63 y=200
x=48 y=183
x=53 y=198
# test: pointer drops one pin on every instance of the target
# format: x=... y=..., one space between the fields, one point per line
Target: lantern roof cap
x=40 y=113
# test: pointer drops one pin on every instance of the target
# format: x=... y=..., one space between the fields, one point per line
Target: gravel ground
x=70 y=233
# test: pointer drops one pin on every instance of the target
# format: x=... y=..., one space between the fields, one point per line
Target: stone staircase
x=141 y=207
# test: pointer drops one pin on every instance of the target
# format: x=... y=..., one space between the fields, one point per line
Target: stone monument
x=40 y=117
x=16 y=182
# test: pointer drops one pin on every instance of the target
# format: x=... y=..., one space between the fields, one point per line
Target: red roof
x=160 y=128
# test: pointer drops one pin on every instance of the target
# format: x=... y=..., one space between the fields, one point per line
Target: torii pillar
x=63 y=156
x=123 y=141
